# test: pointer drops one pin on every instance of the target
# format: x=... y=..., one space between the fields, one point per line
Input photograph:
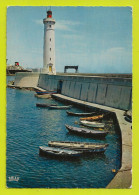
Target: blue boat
x=45 y=92
x=52 y=151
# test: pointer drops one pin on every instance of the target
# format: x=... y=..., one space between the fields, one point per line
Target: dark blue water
x=29 y=127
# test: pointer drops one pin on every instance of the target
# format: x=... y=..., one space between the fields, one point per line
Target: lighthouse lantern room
x=49 y=45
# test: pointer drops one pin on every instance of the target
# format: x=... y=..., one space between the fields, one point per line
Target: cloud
x=63 y=25
x=73 y=36
x=66 y=25
x=116 y=49
x=40 y=22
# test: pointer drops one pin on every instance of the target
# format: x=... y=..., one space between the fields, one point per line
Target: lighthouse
x=49 y=45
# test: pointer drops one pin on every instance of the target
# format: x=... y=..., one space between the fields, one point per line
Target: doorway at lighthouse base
x=50 y=67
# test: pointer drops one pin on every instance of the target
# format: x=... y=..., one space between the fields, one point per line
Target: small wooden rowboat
x=60 y=107
x=93 y=118
x=80 y=114
x=45 y=92
x=128 y=118
x=92 y=124
x=45 y=105
x=58 y=152
x=128 y=115
x=83 y=131
x=79 y=146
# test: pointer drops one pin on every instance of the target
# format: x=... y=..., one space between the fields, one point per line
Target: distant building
x=12 y=69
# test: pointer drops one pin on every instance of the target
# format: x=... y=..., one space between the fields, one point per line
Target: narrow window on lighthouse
x=50 y=26
x=50 y=39
x=50 y=49
x=50 y=58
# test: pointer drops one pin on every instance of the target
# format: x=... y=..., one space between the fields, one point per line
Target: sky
x=97 y=39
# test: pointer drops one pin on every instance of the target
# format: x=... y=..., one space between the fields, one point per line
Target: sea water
x=29 y=127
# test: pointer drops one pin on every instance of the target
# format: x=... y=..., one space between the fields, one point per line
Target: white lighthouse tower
x=49 y=45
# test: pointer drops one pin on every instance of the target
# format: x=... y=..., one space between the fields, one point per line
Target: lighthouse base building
x=49 y=45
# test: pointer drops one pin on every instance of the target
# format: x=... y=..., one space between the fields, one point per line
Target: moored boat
x=52 y=151
x=45 y=92
x=84 y=131
x=60 y=107
x=128 y=115
x=45 y=105
x=128 y=118
x=80 y=114
x=93 y=118
x=92 y=124
x=79 y=146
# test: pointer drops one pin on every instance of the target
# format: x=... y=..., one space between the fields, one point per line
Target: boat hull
x=87 y=132
x=51 y=151
x=128 y=118
x=80 y=146
x=93 y=118
x=80 y=114
x=45 y=105
x=46 y=92
x=60 y=107
x=92 y=124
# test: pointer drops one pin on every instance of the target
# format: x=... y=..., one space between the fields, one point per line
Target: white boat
x=92 y=124
x=60 y=107
x=80 y=114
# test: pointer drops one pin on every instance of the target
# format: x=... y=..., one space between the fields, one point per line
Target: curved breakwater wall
x=113 y=92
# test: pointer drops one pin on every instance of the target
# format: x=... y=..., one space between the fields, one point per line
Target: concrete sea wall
x=107 y=91
x=113 y=92
x=26 y=79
